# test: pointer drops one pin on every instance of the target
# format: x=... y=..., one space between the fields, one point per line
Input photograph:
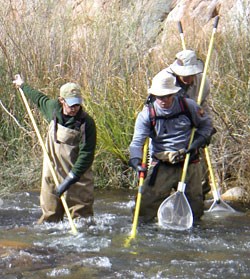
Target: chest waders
x=62 y=144
x=163 y=177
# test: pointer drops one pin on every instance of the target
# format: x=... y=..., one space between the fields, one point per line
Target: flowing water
x=217 y=247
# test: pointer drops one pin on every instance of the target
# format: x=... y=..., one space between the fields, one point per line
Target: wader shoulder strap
x=77 y=125
x=80 y=121
x=55 y=126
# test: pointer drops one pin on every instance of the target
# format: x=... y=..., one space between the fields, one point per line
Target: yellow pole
x=139 y=194
x=184 y=172
x=209 y=164
x=74 y=230
x=210 y=48
x=206 y=150
x=181 y=35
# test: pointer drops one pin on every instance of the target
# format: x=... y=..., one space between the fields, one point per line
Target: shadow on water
x=217 y=247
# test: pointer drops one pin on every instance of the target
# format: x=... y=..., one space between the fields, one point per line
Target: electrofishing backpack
x=153 y=117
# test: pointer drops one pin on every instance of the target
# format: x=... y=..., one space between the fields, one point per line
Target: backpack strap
x=185 y=108
x=152 y=112
x=153 y=117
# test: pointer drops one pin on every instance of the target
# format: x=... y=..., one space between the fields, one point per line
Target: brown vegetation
x=110 y=57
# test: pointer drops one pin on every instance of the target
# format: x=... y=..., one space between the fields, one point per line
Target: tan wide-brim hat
x=163 y=84
x=187 y=64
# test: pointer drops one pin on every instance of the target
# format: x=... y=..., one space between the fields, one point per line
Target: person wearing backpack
x=70 y=143
x=174 y=118
x=187 y=69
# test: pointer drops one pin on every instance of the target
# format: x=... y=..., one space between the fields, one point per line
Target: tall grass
x=231 y=105
x=109 y=55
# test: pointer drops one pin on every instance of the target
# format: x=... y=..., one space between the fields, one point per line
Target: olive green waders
x=63 y=146
x=166 y=180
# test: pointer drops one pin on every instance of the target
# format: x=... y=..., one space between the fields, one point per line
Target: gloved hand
x=199 y=141
x=208 y=140
x=18 y=81
x=135 y=163
x=70 y=179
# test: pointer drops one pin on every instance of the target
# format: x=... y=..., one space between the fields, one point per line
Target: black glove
x=70 y=179
x=135 y=163
x=208 y=140
x=199 y=141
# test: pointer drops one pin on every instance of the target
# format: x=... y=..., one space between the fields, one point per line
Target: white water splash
x=58 y=272
x=99 y=261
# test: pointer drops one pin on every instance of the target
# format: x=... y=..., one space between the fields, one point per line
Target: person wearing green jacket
x=70 y=143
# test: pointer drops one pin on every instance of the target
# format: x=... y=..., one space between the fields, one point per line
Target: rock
x=13 y=244
x=234 y=194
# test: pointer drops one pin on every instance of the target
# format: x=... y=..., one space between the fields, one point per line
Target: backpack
x=153 y=117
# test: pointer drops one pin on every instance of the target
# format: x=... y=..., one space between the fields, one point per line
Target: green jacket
x=51 y=108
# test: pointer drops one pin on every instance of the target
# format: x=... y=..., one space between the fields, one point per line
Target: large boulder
x=235 y=194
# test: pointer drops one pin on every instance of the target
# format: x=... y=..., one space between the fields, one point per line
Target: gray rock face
x=158 y=18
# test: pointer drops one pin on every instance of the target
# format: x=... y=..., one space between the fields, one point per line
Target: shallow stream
x=217 y=247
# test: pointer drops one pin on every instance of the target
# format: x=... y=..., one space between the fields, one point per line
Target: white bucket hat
x=187 y=64
x=163 y=84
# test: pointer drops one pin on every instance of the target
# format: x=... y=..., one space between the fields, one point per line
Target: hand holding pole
x=139 y=195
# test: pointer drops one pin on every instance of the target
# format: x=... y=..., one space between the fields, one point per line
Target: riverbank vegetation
x=109 y=58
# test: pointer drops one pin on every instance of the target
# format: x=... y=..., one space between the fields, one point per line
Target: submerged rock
x=13 y=244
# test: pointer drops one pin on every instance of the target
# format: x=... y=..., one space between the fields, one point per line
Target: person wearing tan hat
x=70 y=142
x=187 y=69
x=169 y=143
